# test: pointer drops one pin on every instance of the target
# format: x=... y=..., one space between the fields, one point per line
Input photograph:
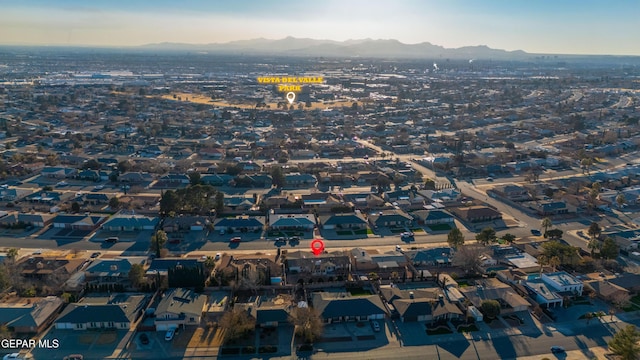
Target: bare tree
x=308 y=323
x=236 y=323
x=468 y=257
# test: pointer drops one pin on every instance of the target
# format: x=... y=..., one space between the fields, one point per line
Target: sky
x=537 y=26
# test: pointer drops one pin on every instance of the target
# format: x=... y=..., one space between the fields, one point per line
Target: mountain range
x=291 y=46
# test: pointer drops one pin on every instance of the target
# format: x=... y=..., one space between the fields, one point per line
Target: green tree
x=567 y=254
x=609 y=249
x=621 y=200
x=194 y=178
x=625 y=343
x=429 y=184
x=136 y=275
x=593 y=245
x=157 y=241
x=546 y=224
x=75 y=207
x=486 y=236
x=278 y=177
x=12 y=254
x=114 y=203
x=307 y=322
x=490 y=308
x=554 y=234
x=235 y=324
x=169 y=202
x=594 y=230
x=510 y=238
x=455 y=238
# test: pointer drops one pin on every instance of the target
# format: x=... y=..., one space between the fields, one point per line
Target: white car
x=169 y=335
x=218 y=255
x=11 y=356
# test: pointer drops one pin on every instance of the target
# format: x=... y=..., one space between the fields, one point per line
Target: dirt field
x=202 y=99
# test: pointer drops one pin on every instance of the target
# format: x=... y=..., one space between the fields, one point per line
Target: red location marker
x=317 y=247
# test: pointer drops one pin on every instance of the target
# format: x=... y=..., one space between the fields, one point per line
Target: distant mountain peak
x=380 y=48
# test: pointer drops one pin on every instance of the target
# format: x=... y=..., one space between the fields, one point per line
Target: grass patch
x=417 y=230
x=359 y=292
x=440 y=330
x=362 y=232
x=439 y=227
x=467 y=328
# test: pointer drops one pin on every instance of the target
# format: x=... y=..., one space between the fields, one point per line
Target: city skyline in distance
x=541 y=27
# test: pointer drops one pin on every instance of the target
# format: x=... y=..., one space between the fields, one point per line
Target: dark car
x=95 y=255
x=144 y=339
x=557 y=349
x=536 y=232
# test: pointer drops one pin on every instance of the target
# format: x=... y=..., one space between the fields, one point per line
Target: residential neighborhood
x=170 y=210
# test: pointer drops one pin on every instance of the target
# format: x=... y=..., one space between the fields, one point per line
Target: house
x=95 y=199
x=339 y=307
x=426 y=309
x=111 y=271
x=238 y=204
x=179 y=307
x=175 y=179
x=390 y=218
x=216 y=179
x=185 y=223
x=58 y=172
x=512 y=192
x=35 y=220
x=538 y=290
x=240 y=224
x=122 y=222
x=551 y=207
x=88 y=175
x=305 y=265
x=161 y=266
x=494 y=289
x=433 y=217
x=628 y=281
x=440 y=256
x=322 y=203
x=268 y=311
x=41 y=267
x=562 y=281
x=135 y=177
x=444 y=195
x=606 y=290
x=298 y=180
x=117 y=311
x=474 y=214
x=30 y=318
x=78 y=222
x=365 y=201
x=343 y=221
x=306 y=222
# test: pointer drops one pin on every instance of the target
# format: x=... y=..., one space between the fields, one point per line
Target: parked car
x=536 y=232
x=557 y=349
x=218 y=255
x=74 y=357
x=144 y=339
x=11 y=356
x=169 y=335
x=112 y=239
x=375 y=325
x=236 y=239
x=95 y=255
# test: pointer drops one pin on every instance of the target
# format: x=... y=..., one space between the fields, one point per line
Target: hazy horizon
x=547 y=27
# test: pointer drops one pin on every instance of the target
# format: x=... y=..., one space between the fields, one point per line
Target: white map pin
x=290 y=97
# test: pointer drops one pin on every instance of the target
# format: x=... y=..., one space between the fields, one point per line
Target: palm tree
x=594 y=244
x=546 y=224
x=554 y=262
x=542 y=260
